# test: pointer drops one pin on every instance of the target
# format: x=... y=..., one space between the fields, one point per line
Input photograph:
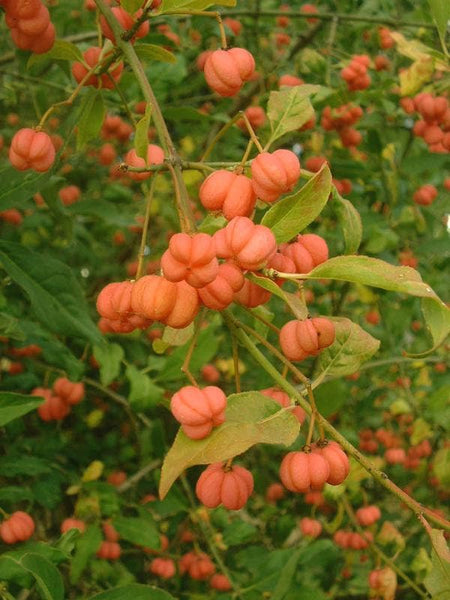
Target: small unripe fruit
x=31 y=149
x=156 y=299
x=220 y=582
x=70 y=392
x=18 y=528
x=301 y=472
x=337 y=461
x=274 y=174
x=368 y=515
x=109 y=551
x=251 y=295
x=284 y=400
x=72 y=523
x=309 y=251
x=190 y=258
x=310 y=527
x=219 y=294
x=91 y=58
x=300 y=339
x=221 y=485
x=199 y=411
x=250 y=246
x=126 y=21
x=274 y=492
x=227 y=70
x=228 y=192
x=155 y=156
x=162 y=567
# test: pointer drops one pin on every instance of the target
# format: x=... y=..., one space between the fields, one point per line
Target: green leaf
x=421 y=430
x=48 y=579
x=61 y=50
x=251 y=418
x=289 y=109
x=205 y=350
x=441 y=466
x=292 y=214
x=440 y=10
x=10 y=328
x=136 y=591
x=350 y=349
x=86 y=546
x=55 y=294
x=350 y=221
x=13 y=406
x=177 y=337
x=141 y=135
x=437 y=581
x=109 y=357
x=377 y=273
x=286 y=576
x=152 y=52
x=299 y=308
x=143 y=392
x=182 y=5
x=131 y=6
x=90 y=117
x=437 y=319
x=17 y=187
x=138 y=530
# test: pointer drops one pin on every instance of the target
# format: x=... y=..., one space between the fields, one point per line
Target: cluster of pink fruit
x=30 y=25
x=59 y=400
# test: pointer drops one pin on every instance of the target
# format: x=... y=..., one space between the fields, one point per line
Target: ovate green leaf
x=55 y=294
x=90 y=118
x=291 y=215
x=350 y=349
x=152 y=52
x=251 y=418
x=289 y=109
x=13 y=406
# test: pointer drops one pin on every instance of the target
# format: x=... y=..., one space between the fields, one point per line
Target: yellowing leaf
x=413 y=78
x=93 y=471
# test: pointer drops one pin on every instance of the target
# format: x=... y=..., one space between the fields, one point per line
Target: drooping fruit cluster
x=434 y=124
x=341 y=119
x=355 y=73
x=162 y=567
x=309 y=470
x=198 y=565
x=199 y=411
x=92 y=57
x=352 y=539
x=17 y=528
x=30 y=25
x=227 y=70
x=59 y=400
x=31 y=149
x=229 y=486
